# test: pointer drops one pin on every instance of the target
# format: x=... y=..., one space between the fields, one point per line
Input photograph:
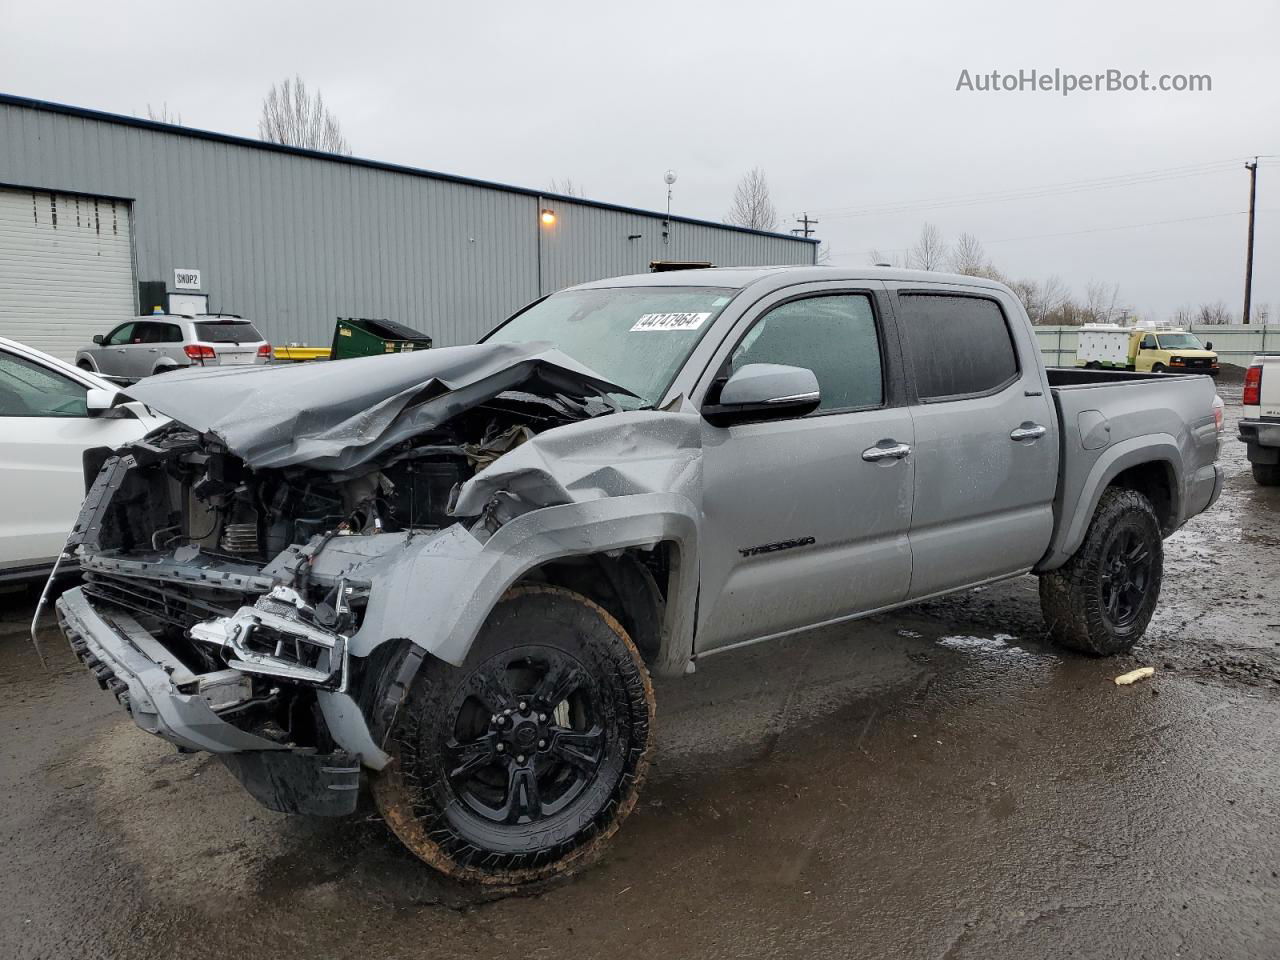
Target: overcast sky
x=847 y=108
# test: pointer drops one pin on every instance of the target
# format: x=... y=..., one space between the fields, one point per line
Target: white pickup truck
x=1260 y=426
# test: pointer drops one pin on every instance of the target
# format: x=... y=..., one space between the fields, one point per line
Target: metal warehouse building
x=102 y=216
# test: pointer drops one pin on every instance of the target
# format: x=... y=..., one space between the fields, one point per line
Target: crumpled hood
x=337 y=415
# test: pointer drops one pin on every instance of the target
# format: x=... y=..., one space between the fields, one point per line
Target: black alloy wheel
x=520 y=764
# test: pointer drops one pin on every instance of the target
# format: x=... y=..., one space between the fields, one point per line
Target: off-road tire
x=1071 y=597
x=429 y=811
x=1266 y=474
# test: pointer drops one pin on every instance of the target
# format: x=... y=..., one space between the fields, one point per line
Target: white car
x=50 y=413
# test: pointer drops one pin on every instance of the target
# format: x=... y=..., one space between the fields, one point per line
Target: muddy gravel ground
x=935 y=783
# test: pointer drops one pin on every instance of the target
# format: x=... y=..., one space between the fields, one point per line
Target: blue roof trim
x=157 y=127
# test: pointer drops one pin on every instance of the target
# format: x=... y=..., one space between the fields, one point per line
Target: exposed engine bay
x=251 y=578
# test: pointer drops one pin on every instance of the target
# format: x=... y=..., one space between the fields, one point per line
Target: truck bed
x=1113 y=420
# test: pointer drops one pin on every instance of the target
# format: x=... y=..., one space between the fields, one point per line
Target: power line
x=1075 y=233
x=1027 y=193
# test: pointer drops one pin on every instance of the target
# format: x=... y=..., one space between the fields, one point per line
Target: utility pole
x=1248 y=256
x=806 y=226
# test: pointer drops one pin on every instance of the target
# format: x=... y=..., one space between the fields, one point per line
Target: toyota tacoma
x=451 y=573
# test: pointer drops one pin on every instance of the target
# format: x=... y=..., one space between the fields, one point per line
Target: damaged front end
x=252 y=570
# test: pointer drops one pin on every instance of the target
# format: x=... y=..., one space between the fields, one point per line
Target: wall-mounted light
x=548 y=217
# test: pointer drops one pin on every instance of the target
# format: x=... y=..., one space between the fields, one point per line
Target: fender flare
x=1136 y=451
x=439 y=596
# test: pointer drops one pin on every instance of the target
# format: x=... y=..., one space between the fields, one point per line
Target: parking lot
x=933 y=783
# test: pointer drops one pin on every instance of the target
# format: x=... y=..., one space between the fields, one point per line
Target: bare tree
x=1214 y=313
x=1102 y=302
x=295 y=117
x=930 y=251
x=1183 y=317
x=752 y=205
x=969 y=258
x=1261 y=314
x=566 y=187
x=879 y=258
x=163 y=115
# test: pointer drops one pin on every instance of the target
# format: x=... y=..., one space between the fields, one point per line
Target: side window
x=148 y=332
x=30 y=390
x=120 y=335
x=960 y=346
x=834 y=336
x=1149 y=342
x=172 y=333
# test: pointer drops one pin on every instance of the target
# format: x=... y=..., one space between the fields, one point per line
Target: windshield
x=223 y=331
x=637 y=337
x=1180 y=341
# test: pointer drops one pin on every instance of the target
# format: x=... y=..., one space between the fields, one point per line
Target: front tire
x=519 y=765
x=1266 y=474
x=1158 y=368
x=1100 y=601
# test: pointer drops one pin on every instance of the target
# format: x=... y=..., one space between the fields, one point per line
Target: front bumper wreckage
x=287 y=648
x=165 y=699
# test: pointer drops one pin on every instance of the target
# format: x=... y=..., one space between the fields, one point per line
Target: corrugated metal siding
x=295 y=241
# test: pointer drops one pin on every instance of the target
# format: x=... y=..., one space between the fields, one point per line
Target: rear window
x=224 y=331
x=960 y=346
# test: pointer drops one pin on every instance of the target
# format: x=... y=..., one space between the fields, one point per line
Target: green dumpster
x=363 y=337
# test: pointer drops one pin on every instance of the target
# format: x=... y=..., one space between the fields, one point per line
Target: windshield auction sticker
x=670 y=321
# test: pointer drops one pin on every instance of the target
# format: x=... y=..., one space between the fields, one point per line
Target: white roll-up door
x=66 y=268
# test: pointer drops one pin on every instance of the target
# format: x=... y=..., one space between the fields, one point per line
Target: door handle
x=1028 y=431
x=890 y=450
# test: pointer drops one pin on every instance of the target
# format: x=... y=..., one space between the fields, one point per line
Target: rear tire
x=1100 y=601
x=1266 y=474
x=520 y=765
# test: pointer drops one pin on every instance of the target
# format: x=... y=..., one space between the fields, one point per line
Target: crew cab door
x=806 y=518
x=986 y=437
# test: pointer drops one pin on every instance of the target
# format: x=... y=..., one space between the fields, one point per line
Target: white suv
x=163 y=342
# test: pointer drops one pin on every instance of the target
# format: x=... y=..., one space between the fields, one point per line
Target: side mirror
x=98 y=338
x=764 y=391
x=101 y=404
x=1208 y=345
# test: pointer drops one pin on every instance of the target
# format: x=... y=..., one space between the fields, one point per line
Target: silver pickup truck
x=451 y=573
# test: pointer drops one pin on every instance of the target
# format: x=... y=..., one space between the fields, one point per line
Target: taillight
x=1252 y=395
x=1219 y=418
x=198 y=352
x=265 y=351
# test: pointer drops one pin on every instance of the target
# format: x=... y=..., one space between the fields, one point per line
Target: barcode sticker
x=670 y=321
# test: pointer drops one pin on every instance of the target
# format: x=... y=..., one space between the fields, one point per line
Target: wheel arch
x=433 y=601
x=1150 y=465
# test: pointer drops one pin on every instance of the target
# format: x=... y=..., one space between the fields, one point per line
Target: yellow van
x=1171 y=351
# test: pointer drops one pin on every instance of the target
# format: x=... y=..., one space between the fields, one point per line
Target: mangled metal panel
x=341 y=414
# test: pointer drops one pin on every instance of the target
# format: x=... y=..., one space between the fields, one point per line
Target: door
x=44 y=429
x=806 y=519
x=1146 y=354
x=66 y=268
x=986 y=440
x=160 y=341
x=142 y=350
x=112 y=355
